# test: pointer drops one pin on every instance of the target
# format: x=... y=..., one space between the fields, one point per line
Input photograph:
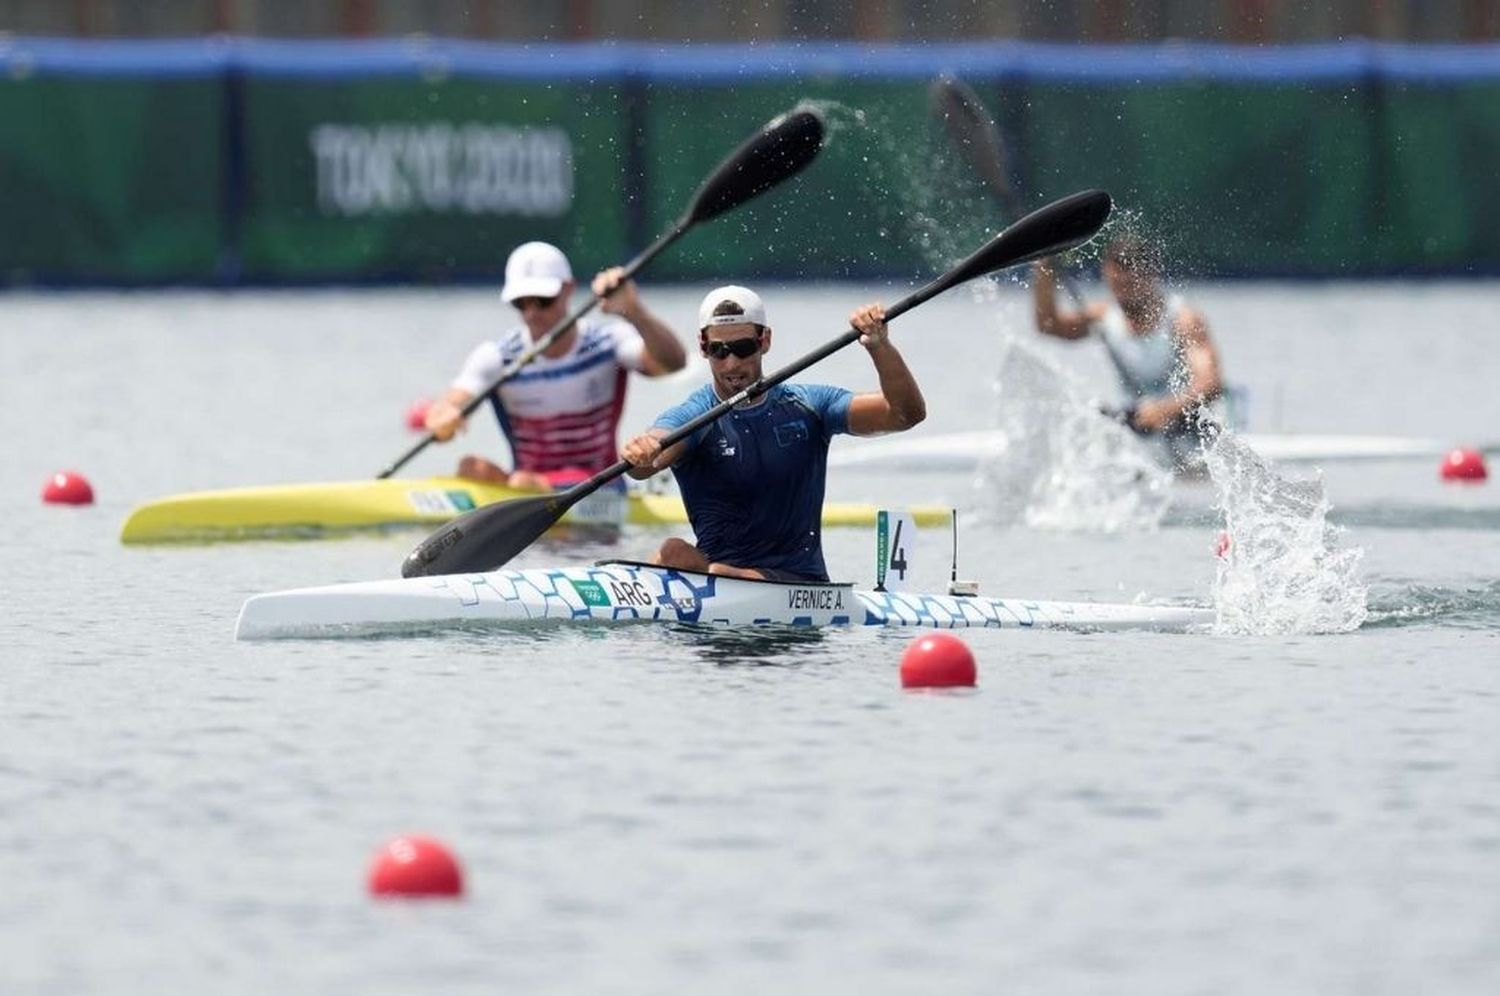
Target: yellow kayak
x=289 y=511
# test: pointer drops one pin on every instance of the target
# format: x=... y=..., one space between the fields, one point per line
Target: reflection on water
x=768 y=646
x=753 y=646
x=569 y=540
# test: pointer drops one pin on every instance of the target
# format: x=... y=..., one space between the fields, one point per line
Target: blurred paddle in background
x=977 y=138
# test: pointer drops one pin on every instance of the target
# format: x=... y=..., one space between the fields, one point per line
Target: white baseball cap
x=535 y=269
x=752 y=311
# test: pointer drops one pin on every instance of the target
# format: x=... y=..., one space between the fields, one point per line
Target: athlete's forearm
x=445 y=416
x=1049 y=320
x=661 y=342
x=645 y=455
x=1200 y=391
x=1044 y=299
x=898 y=387
x=1204 y=382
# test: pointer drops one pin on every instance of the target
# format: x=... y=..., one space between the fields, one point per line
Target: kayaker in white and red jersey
x=561 y=412
x=1158 y=343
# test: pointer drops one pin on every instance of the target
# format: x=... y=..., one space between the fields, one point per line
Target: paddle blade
x=779 y=151
x=1062 y=225
x=485 y=538
x=974 y=132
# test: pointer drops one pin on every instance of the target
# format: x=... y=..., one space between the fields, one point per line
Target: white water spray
x=1055 y=463
x=1059 y=464
x=1285 y=571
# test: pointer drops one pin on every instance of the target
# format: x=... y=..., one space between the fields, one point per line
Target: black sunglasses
x=522 y=303
x=743 y=347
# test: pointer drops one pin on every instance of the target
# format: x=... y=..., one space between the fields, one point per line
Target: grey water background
x=651 y=810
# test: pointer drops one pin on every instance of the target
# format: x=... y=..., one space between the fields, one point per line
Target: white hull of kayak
x=623 y=592
x=964 y=451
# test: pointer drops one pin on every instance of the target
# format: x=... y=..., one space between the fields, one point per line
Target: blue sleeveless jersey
x=753 y=480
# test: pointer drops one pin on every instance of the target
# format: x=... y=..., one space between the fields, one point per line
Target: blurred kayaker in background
x=560 y=413
x=1159 y=344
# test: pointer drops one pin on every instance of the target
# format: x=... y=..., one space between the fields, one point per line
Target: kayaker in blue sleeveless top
x=753 y=480
x=1158 y=343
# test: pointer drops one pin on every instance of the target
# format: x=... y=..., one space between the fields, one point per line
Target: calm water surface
x=657 y=810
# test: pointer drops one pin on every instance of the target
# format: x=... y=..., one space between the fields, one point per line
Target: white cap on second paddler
x=535 y=269
x=752 y=311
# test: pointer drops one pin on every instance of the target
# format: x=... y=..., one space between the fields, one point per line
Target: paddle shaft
x=567 y=499
x=545 y=342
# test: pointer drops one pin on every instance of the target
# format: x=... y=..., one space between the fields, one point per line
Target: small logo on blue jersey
x=791 y=433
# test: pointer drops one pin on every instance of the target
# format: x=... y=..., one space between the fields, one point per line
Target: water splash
x=1057 y=464
x=1099 y=477
x=837 y=118
x=1285 y=571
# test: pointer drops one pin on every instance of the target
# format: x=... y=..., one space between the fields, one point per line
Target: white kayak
x=963 y=451
x=613 y=592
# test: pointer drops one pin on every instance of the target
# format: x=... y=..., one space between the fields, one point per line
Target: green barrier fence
x=235 y=161
x=1267 y=179
x=117 y=180
x=1440 y=154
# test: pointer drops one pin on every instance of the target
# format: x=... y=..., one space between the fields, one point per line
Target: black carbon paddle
x=488 y=537
x=779 y=151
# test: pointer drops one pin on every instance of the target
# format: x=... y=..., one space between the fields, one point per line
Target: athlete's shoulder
x=483 y=361
x=1183 y=309
x=819 y=397
x=607 y=327
x=1191 y=326
x=510 y=343
x=796 y=393
x=1186 y=316
x=608 y=333
x=703 y=397
x=688 y=408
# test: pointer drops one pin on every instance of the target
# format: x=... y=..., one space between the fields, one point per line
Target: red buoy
x=937 y=660
x=414 y=865
x=1463 y=465
x=416 y=414
x=68 y=487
